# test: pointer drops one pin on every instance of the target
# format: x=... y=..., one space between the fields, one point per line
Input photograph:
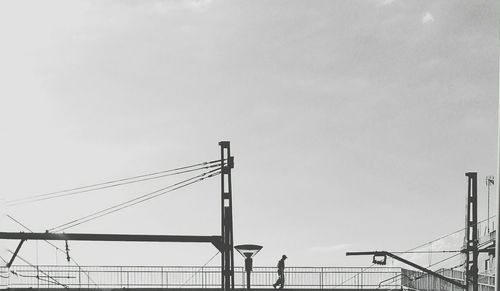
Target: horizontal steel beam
x=376 y=253
x=110 y=237
x=23 y=236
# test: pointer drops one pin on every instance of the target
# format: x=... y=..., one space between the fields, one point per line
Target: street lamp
x=248 y=251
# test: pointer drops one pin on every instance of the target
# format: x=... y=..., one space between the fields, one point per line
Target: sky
x=352 y=123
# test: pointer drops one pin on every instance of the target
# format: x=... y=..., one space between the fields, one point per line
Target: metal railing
x=92 y=277
x=424 y=282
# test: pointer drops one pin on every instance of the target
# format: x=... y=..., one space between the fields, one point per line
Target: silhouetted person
x=281 y=273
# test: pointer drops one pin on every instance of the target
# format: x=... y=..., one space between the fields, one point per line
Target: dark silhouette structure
x=383 y=254
x=227 y=254
x=224 y=242
x=471 y=249
x=248 y=251
x=281 y=273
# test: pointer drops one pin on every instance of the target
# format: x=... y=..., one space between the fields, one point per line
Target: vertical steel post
x=248 y=280
x=227 y=255
x=497 y=219
x=471 y=240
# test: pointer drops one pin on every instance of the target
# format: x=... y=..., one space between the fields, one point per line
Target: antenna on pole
x=490 y=180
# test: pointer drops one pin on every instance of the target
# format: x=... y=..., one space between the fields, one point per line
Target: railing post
x=8 y=280
x=321 y=278
x=203 y=277
x=362 y=275
x=357 y=282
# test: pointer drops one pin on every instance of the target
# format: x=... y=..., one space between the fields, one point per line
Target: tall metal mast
x=471 y=239
x=227 y=257
x=497 y=232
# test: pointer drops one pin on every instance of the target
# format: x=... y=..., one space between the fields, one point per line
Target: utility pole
x=471 y=239
x=497 y=236
x=223 y=243
x=227 y=255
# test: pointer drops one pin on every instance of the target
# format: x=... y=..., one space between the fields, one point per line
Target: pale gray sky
x=352 y=122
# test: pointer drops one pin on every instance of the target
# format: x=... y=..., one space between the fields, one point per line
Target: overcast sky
x=352 y=122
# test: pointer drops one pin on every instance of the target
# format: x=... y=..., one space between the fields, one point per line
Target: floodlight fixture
x=248 y=251
x=379 y=259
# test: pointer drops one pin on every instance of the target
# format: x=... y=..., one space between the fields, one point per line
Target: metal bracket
x=425 y=270
x=14 y=255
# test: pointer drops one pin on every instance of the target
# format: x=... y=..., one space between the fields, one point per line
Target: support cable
x=449 y=234
x=135 y=201
x=200 y=269
x=3 y=260
x=416 y=277
x=444 y=260
x=57 y=248
x=35 y=267
x=357 y=274
x=113 y=183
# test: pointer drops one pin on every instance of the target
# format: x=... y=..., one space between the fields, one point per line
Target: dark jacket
x=281 y=266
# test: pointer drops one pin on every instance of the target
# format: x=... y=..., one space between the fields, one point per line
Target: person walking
x=281 y=273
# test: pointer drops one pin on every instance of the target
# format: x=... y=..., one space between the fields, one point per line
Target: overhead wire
x=114 y=183
x=449 y=234
x=119 y=180
x=135 y=201
x=56 y=247
x=425 y=252
x=130 y=202
x=444 y=260
x=108 y=186
x=357 y=274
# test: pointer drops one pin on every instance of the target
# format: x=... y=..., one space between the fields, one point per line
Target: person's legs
x=278 y=282
x=282 y=280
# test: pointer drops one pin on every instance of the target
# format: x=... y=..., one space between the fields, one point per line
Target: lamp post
x=248 y=252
